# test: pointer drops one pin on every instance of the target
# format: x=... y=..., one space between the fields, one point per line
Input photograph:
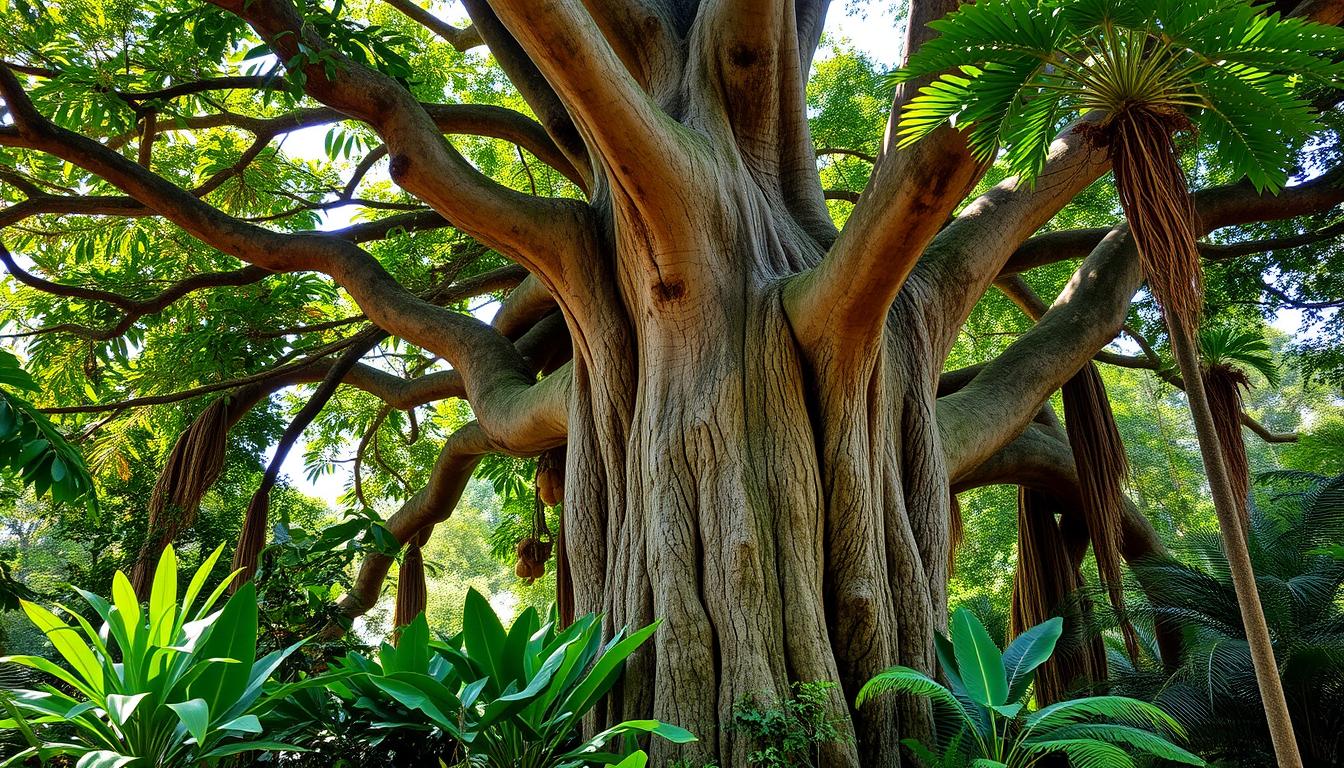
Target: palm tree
x=1229 y=354
x=1142 y=71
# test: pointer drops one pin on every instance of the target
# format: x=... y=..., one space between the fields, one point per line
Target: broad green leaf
x=979 y=660
x=122 y=707
x=67 y=642
x=233 y=636
x=163 y=599
x=195 y=715
x=1027 y=652
x=246 y=724
x=103 y=758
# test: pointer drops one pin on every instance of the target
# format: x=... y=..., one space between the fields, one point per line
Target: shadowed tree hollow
x=744 y=408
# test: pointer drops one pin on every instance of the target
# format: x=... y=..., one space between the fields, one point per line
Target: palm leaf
x=1116 y=709
x=914 y=683
x=1126 y=736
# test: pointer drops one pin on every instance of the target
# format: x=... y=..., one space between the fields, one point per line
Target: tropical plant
x=299 y=579
x=174 y=684
x=1142 y=71
x=1210 y=689
x=506 y=698
x=983 y=722
x=1229 y=355
x=790 y=733
x=32 y=446
x=350 y=721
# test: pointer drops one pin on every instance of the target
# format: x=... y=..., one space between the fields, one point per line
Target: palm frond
x=1116 y=709
x=911 y=682
x=1238 y=347
x=1250 y=117
x=1084 y=753
x=1136 y=739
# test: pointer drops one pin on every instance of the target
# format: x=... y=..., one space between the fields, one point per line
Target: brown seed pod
x=522 y=569
x=551 y=477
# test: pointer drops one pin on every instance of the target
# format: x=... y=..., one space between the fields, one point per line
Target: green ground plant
x=984 y=721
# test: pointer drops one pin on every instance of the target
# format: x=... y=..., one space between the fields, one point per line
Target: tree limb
x=461 y=38
x=640 y=146
x=540 y=233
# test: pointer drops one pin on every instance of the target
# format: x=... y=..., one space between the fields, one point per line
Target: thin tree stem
x=1234 y=545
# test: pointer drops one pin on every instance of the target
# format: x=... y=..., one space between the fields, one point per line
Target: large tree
x=760 y=439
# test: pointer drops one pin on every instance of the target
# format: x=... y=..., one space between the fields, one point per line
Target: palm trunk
x=1157 y=205
x=1234 y=544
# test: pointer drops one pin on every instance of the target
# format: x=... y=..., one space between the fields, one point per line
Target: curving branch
x=461 y=38
x=640 y=146
x=543 y=234
x=543 y=425
x=842 y=304
x=133 y=309
x=493 y=371
x=997 y=404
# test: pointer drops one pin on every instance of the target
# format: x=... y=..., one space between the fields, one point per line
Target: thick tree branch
x=641 y=147
x=843 y=302
x=538 y=93
x=542 y=234
x=992 y=409
x=966 y=256
x=998 y=403
x=542 y=426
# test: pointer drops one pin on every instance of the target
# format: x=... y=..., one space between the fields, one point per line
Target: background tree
x=750 y=374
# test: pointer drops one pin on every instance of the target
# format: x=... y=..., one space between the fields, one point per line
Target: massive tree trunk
x=758 y=505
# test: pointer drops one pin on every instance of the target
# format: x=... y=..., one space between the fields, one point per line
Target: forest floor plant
x=176 y=685
x=511 y=697
x=983 y=720
x=789 y=733
x=1141 y=72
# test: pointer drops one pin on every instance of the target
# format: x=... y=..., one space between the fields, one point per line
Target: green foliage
x=506 y=698
x=298 y=581
x=790 y=733
x=1238 y=348
x=170 y=684
x=1023 y=67
x=1211 y=690
x=982 y=719
x=32 y=446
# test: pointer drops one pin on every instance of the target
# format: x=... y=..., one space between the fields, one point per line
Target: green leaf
x=68 y=643
x=195 y=715
x=1126 y=736
x=979 y=660
x=163 y=599
x=1027 y=652
x=482 y=634
x=103 y=758
x=122 y=707
x=1118 y=709
x=233 y=636
x=245 y=724
x=1084 y=753
x=913 y=682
